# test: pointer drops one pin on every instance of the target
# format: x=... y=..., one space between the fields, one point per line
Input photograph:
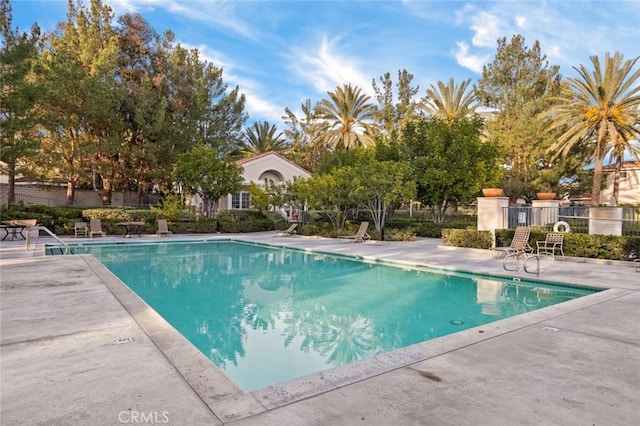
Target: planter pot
x=492 y=192
x=546 y=195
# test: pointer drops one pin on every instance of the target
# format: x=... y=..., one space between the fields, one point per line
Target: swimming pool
x=267 y=314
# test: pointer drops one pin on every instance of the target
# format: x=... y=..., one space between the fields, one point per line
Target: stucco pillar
x=545 y=211
x=605 y=220
x=491 y=211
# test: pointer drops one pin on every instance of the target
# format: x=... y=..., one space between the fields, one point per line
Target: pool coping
x=228 y=402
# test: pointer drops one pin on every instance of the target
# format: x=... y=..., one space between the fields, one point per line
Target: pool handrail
x=48 y=231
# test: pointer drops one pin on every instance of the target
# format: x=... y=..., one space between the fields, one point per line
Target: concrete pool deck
x=77 y=347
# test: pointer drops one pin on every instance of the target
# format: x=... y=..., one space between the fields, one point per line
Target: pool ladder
x=527 y=257
x=67 y=249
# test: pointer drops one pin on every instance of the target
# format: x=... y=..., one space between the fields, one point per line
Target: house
x=268 y=168
x=629 y=184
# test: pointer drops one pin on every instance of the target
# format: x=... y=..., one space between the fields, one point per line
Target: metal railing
x=67 y=249
x=576 y=217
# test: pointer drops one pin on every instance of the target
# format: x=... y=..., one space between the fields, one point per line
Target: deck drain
x=547 y=328
x=124 y=340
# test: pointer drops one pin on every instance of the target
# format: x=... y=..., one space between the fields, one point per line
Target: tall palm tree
x=345 y=119
x=598 y=109
x=262 y=137
x=450 y=102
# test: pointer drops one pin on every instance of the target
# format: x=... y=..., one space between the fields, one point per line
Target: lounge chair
x=553 y=242
x=519 y=244
x=81 y=229
x=95 y=228
x=361 y=235
x=163 y=228
x=287 y=232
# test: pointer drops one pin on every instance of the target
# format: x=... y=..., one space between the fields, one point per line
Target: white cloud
x=219 y=14
x=325 y=69
x=257 y=105
x=467 y=60
x=487 y=28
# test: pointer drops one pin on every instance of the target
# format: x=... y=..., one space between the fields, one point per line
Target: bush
x=611 y=247
x=59 y=219
x=173 y=209
x=470 y=238
x=406 y=234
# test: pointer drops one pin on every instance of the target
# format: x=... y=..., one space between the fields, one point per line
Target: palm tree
x=450 y=102
x=345 y=118
x=598 y=109
x=262 y=137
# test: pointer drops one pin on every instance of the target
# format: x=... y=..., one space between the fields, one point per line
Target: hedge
x=611 y=247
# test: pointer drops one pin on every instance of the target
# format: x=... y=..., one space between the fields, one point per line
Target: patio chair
x=553 y=242
x=519 y=244
x=163 y=228
x=95 y=228
x=287 y=232
x=81 y=229
x=361 y=235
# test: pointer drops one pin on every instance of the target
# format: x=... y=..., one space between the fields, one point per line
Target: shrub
x=173 y=209
x=406 y=234
x=466 y=238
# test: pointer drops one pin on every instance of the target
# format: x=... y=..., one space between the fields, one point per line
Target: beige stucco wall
x=629 y=188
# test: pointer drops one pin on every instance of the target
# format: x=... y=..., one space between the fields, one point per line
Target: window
x=624 y=175
x=240 y=201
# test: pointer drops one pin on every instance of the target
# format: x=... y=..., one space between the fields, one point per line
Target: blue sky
x=281 y=53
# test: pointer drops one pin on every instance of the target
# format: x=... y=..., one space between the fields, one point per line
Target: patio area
x=78 y=347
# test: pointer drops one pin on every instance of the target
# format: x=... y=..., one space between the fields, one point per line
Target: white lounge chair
x=95 y=228
x=553 y=242
x=287 y=232
x=361 y=235
x=163 y=228
x=81 y=229
x=520 y=242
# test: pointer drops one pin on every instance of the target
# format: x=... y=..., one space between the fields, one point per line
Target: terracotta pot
x=545 y=195
x=492 y=192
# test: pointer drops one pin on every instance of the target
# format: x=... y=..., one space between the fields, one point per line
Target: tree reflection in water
x=342 y=339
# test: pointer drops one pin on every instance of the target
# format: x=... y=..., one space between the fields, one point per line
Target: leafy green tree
x=201 y=171
x=306 y=149
x=450 y=102
x=382 y=186
x=517 y=87
x=331 y=193
x=259 y=196
x=77 y=72
x=172 y=100
x=18 y=132
x=449 y=161
x=345 y=119
x=599 y=110
x=262 y=137
x=392 y=115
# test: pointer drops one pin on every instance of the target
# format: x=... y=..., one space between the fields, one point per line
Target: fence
x=578 y=218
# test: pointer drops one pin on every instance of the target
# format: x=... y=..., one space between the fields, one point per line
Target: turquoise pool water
x=265 y=314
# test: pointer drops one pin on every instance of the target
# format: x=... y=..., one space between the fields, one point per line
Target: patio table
x=131 y=228
x=10 y=226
